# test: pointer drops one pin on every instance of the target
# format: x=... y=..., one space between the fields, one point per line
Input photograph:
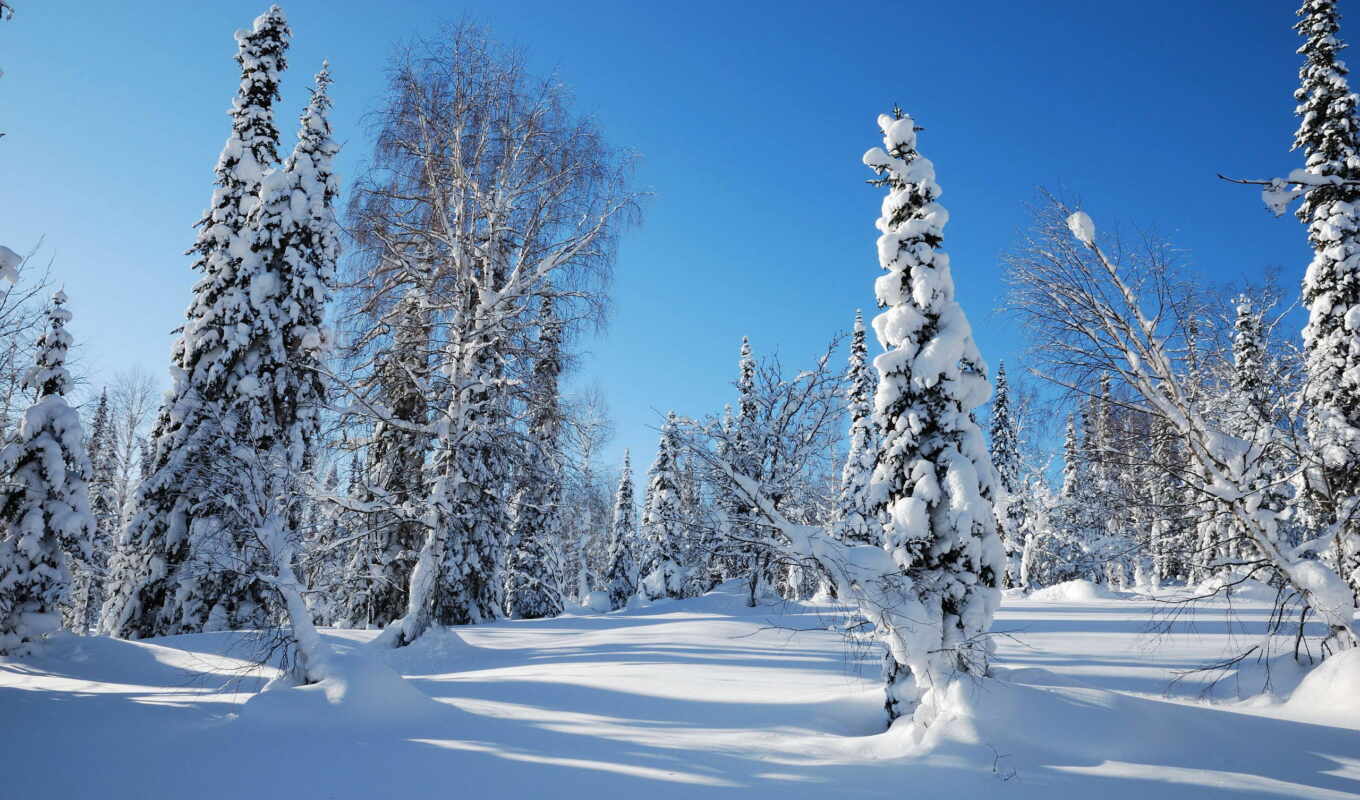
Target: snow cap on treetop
x=1082 y=227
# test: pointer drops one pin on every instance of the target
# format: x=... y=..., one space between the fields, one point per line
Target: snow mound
x=1332 y=689
x=1077 y=591
x=360 y=689
x=597 y=602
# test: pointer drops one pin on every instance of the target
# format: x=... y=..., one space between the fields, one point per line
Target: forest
x=374 y=537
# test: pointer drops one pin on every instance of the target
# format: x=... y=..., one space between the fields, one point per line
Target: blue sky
x=750 y=120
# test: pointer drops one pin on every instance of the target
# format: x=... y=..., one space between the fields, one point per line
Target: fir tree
x=45 y=519
x=748 y=459
x=1251 y=416
x=171 y=574
x=88 y=581
x=535 y=585
x=1065 y=552
x=934 y=481
x=661 y=566
x=1005 y=449
x=380 y=567
x=1331 y=286
x=856 y=522
x=622 y=576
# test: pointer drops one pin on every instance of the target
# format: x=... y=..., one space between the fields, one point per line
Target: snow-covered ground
x=683 y=699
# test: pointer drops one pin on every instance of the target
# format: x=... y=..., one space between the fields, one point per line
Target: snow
x=9 y=264
x=1331 y=691
x=1078 y=591
x=681 y=699
x=1082 y=227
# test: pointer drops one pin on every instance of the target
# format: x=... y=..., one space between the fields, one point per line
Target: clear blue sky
x=750 y=117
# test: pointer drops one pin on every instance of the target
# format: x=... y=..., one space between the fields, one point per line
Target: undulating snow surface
x=683 y=699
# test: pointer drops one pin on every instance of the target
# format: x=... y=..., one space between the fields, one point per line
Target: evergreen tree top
x=260 y=52
x=48 y=375
x=1326 y=106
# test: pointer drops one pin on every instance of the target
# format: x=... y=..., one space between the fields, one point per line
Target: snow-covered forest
x=373 y=537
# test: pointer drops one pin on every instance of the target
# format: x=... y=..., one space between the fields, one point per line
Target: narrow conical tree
x=622 y=576
x=1005 y=449
x=856 y=521
x=166 y=579
x=1250 y=415
x=45 y=519
x=296 y=242
x=934 y=481
x=87 y=593
x=748 y=457
x=662 y=573
x=1331 y=287
x=535 y=576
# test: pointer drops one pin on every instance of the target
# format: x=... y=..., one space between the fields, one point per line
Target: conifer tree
x=172 y=573
x=1331 y=287
x=856 y=521
x=380 y=566
x=622 y=576
x=535 y=578
x=934 y=480
x=1250 y=414
x=1005 y=449
x=748 y=458
x=663 y=574
x=88 y=579
x=45 y=519
x=1066 y=552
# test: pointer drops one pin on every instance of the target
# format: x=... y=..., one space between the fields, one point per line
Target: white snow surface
x=9 y=264
x=1077 y=591
x=1082 y=227
x=683 y=699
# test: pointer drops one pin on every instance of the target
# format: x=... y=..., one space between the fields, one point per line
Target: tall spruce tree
x=622 y=576
x=87 y=594
x=45 y=519
x=662 y=571
x=1331 y=287
x=535 y=575
x=856 y=522
x=380 y=566
x=748 y=453
x=1005 y=449
x=1251 y=415
x=934 y=480
x=266 y=249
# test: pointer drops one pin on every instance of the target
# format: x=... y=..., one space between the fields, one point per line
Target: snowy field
x=683 y=699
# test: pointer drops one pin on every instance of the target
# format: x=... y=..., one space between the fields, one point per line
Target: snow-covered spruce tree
x=748 y=450
x=245 y=367
x=1166 y=534
x=380 y=565
x=45 y=519
x=1331 y=287
x=159 y=584
x=473 y=471
x=1251 y=416
x=1010 y=505
x=661 y=568
x=1063 y=545
x=535 y=583
x=934 y=475
x=856 y=522
x=622 y=576
x=87 y=580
